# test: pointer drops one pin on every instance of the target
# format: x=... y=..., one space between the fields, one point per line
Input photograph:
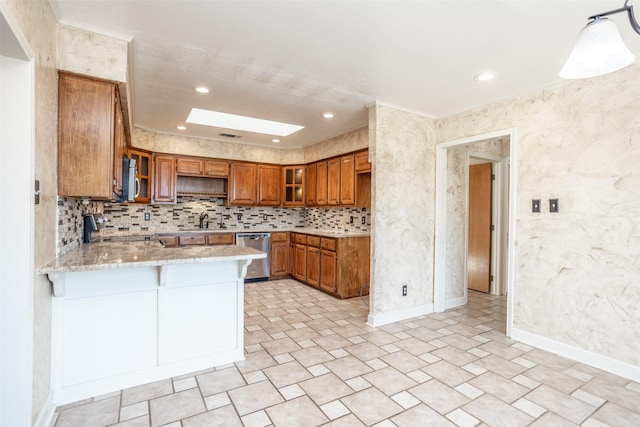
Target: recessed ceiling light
x=181 y=127
x=328 y=115
x=202 y=89
x=232 y=121
x=483 y=77
x=275 y=140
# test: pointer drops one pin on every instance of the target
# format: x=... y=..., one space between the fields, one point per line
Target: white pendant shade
x=599 y=50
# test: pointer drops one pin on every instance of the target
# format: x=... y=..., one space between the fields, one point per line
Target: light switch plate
x=535 y=206
x=553 y=206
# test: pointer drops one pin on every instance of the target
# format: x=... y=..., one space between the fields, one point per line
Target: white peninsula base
x=121 y=327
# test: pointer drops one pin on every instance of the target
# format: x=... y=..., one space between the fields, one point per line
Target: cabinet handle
x=137 y=188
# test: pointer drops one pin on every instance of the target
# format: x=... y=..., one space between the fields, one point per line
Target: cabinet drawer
x=220 y=239
x=169 y=241
x=362 y=162
x=278 y=237
x=301 y=238
x=216 y=168
x=192 y=240
x=313 y=241
x=328 y=244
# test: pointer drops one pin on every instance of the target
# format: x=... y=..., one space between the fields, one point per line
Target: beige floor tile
x=255 y=361
x=614 y=392
x=500 y=366
x=287 y=374
x=379 y=338
x=550 y=419
x=347 y=367
x=571 y=408
x=325 y=388
x=550 y=360
x=346 y=421
x=500 y=387
x=439 y=396
x=134 y=411
x=311 y=356
x=553 y=378
x=389 y=380
x=617 y=416
x=460 y=341
x=146 y=392
x=403 y=361
x=496 y=413
x=257 y=419
x=462 y=418
x=134 y=422
x=254 y=397
x=300 y=412
x=225 y=416
x=219 y=381
x=284 y=345
x=502 y=350
x=332 y=342
x=421 y=415
x=448 y=373
x=454 y=355
x=175 y=407
x=371 y=406
x=366 y=351
x=94 y=414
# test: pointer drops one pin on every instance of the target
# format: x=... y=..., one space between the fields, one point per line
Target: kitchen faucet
x=203 y=215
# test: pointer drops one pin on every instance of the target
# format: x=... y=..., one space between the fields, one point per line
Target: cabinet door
x=347 y=180
x=301 y=262
x=243 y=182
x=311 y=184
x=333 y=181
x=269 y=185
x=216 y=168
x=189 y=166
x=221 y=239
x=86 y=111
x=313 y=265
x=294 y=185
x=321 y=183
x=119 y=147
x=292 y=254
x=362 y=162
x=328 y=267
x=279 y=258
x=164 y=179
x=143 y=175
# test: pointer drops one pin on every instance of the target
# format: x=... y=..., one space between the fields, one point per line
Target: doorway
x=479 y=225
x=453 y=160
x=16 y=227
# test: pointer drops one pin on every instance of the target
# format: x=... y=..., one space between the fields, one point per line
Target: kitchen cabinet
x=362 y=162
x=192 y=240
x=292 y=254
x=321 y=183
x=221 y=239
x=216 y=168
x=333 y=182
x=347 y=180
x=294 y=185
x=143 y=175
x=279 y=255
x=189 y=166
x=195 y=166
x=197 y=239
x=164 y=179
x=339 y=266
x=269 y=185
x=91 y=138
x=310 y=186
x=243 y=182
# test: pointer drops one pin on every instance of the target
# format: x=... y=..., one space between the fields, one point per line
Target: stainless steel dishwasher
x=259 y=269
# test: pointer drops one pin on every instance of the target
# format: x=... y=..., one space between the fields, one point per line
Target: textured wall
x=175 y=144
x=345 y=143
x=37 y=23
x=577 y=277
x=403 y=195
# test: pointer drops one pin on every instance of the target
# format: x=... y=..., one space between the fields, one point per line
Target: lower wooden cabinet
x=338 y=266
x=279 y=255
x=196 y=239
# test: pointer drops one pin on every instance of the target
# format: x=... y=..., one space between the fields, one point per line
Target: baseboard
x=455 y=302
x=48 y=410
x=398 y=315
x=596 y=360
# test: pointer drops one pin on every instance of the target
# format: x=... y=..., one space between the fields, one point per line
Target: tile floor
x=311 y=360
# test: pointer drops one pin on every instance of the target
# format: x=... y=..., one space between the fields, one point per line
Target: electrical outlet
x=350 y=220
x=239 y=216
x=147 y=216
x=264 y=217
x=404 y=290
x=535 y=206
x=364 y=220
x=553 y=206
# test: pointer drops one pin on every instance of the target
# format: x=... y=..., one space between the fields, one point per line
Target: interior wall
x=36 y=20
x=402 y=153
x=576 y=272
x=349 y=141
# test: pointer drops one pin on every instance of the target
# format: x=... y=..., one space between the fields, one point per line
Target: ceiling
x=292 y=61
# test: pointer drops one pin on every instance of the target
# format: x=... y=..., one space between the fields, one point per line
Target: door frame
x=17 y=157
x=440 y=264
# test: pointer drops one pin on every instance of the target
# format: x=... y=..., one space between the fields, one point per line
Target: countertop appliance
x=259 y=269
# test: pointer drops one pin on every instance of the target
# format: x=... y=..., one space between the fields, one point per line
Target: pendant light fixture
x=600 y=49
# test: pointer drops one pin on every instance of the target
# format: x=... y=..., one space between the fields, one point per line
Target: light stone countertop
x=313 y=231
x=129 y=254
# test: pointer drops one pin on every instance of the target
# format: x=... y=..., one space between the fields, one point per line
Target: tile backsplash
x=119 y=218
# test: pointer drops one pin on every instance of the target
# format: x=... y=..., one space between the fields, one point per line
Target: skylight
x=232 y=121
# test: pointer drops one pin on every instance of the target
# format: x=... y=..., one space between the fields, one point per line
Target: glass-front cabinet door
x=293 y=185
x=143 y=175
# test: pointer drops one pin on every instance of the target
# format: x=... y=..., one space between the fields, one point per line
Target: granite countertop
x=312 y=231
x=149 y=253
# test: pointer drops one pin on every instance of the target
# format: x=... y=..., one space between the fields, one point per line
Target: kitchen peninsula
x=128 y=313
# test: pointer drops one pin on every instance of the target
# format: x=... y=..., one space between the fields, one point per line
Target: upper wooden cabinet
x=269 y=187
x=310 y=186
x=91 y=138
x=333 y=181
x=294 y=185
x=195 y=166
x=143 y=175
x=321 y=183
x=243 y=183
x=362 y=162
x=164 y=179
x=347 y=180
